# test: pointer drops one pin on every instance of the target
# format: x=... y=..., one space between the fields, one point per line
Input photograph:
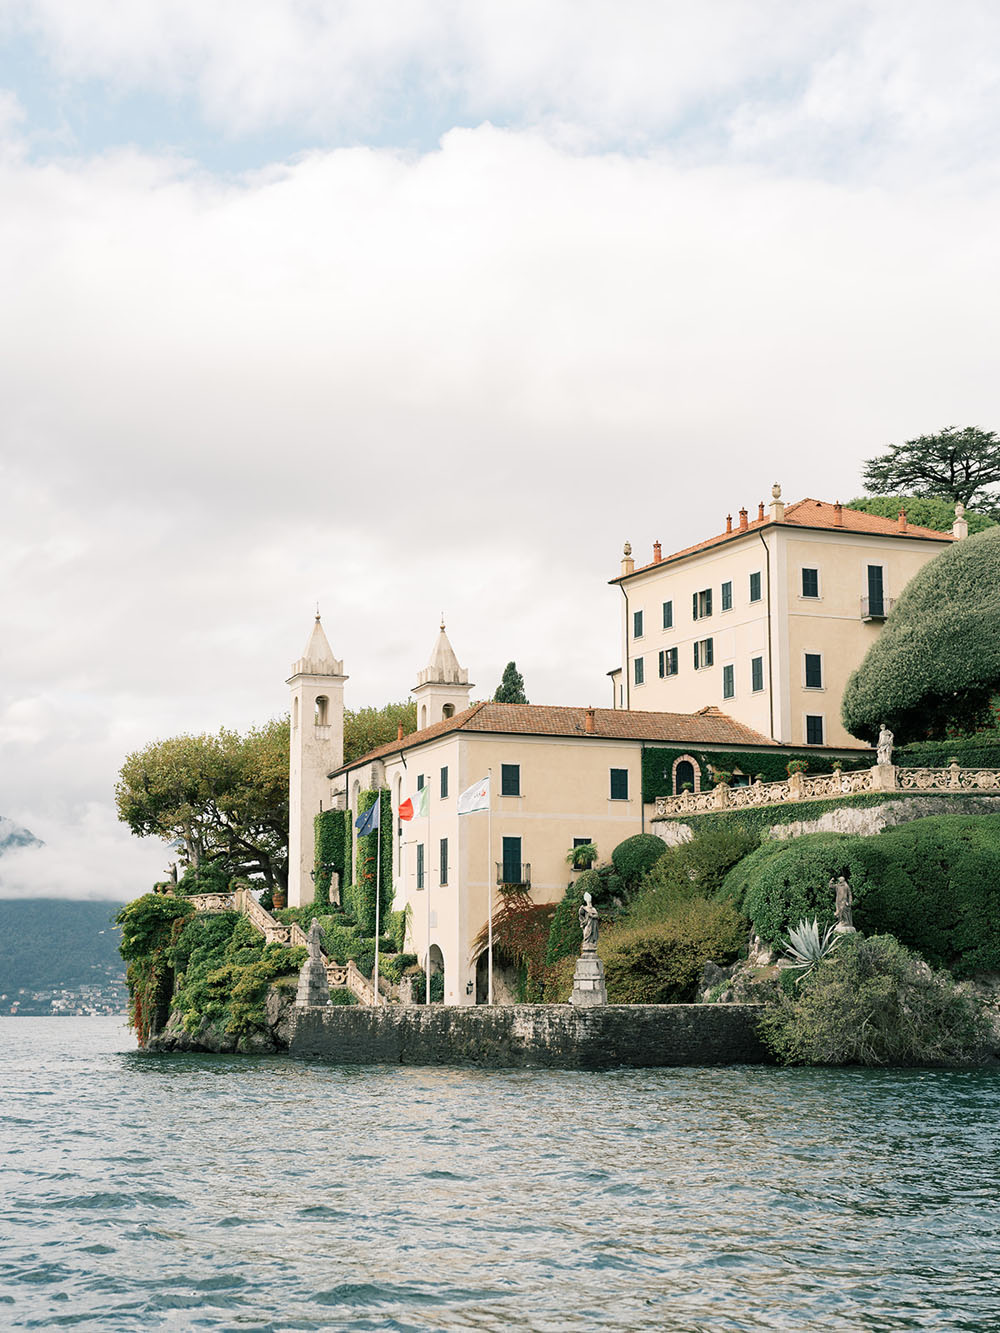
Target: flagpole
x=489 y=886
x=378 y=881
x=427 y=872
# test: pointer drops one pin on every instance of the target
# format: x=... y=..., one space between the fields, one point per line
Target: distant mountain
x=54 y=944
x=13 y=835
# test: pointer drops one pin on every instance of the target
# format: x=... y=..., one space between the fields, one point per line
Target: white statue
x=588 y=924
x=884 y=750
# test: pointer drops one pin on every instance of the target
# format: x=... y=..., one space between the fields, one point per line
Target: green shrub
x=209 y=877
x=695 y=869
x=395 y=927
x=872 y=1002
x=933 y=883
x=633 y=857
x=924 y=511
x=147 y=923
x=393 y=967
x=979 y=751
x=329 y=850
x=605 y=887
x=662 y=963
x=340 y=996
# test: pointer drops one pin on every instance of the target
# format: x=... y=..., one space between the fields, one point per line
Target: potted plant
x=796 y=766
x=278 y=898
x=583 y=856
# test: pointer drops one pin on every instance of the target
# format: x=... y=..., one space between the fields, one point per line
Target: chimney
x=399 y=732
x=960 y=527
x=777 y=505
x=838 y=515
x=588 y=722
x=901 y=521
x=628 y=564
x=760 y=511
x=729 y=522
x=657 y=553
x=743 y=520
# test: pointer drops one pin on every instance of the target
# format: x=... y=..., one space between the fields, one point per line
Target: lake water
x=199 y=1192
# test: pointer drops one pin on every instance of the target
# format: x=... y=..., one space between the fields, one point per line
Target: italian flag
x=415 y=805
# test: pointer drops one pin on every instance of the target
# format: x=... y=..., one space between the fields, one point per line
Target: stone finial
x=777 y=504
x=628 y=564
x=960 y=527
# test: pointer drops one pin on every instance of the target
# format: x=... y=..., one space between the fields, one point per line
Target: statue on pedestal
x=884 y=748
x=588 y=924
x=843 y=911
x=588 y=979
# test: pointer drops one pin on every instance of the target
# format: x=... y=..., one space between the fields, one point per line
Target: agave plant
x=807 y=947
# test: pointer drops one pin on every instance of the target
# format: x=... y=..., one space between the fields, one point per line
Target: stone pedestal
x=314 y=985
x=588 y=982
x=884 y=777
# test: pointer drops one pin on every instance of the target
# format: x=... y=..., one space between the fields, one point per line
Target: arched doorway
x=437 y=974
x=683 y=776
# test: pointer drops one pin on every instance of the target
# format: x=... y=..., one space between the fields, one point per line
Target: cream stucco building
x=768 y=619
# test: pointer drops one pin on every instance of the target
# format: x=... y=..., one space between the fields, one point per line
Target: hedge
x=936 y=664
x=658 y=765
x=934 y=884
x=982 y=751
x=364 y=888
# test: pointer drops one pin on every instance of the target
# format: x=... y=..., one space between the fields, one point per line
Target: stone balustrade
x=799 y=787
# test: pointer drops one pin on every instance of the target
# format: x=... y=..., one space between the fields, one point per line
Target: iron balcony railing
x=514 y=877
x=876 y=608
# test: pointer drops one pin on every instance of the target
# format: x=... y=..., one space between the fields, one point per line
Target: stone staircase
x=342 y=976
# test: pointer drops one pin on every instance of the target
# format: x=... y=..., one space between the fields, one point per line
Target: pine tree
x=511 y=687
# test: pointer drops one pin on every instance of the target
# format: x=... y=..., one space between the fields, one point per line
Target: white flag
x=476 y=797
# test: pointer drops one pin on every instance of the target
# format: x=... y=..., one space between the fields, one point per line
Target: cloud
x=836 y=87
x=406 y=382
x=91 y=857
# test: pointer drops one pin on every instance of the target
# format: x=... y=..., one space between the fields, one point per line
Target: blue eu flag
x=368 y=822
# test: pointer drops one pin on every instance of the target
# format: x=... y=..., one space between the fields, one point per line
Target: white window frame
x=819 y=584
x=814 y=689
x=805 y=729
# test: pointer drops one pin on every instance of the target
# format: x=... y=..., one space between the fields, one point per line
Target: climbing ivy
x=658 y=765
x=329 y=851
x=364 y=895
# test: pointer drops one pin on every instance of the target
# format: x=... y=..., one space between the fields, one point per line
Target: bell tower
x=316 y=748
x=442 y=688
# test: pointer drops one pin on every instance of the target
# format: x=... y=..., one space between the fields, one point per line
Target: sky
x=426 y=307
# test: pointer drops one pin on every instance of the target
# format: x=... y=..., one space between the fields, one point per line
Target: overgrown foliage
x=695 y=869
x=149 y=924
x=365 y=729
x=361 y=900
x=923 y=510
x=957 y=463
x=223 y=797
x=328 y=829
x=936 y=664
x=660 y=963
x=934 y=884
x=521 y=934
x=873 y=1003
x=633 y=857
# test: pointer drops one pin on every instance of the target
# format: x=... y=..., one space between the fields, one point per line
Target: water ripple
x=267 y=1195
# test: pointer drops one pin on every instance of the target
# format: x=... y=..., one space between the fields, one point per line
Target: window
x=510 y=779
x=420 y=782
x=728 y=682
x=668 y=662
x=319 y=716
x=443 y=853
x=876 y=590
x=668 y=615
x=583 y=842
x=755 y=587
x=640 y=671
x=814 y=671
x=619 y=784
x=756 y=673
x=444 y=784
x=636 y=624
x=727 y=596
x=511 y=861
x=814 y=730
x=701 y=604
x=420 y=865
x=448 y=710
x=810 y=583
x=704 y=654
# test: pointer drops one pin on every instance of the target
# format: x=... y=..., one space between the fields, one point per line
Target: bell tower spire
x=316 y=747
x=442 y=688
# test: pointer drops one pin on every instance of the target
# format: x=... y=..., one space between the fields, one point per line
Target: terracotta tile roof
x=707 y=727
x=808 y=514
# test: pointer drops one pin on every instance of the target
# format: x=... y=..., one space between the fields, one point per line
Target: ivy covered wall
x=658 y=764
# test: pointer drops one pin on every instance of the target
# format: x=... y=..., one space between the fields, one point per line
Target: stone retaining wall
x=532 y=1036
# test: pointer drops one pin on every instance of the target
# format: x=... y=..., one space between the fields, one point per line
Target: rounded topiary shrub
x=633 y=857
x=694 y=869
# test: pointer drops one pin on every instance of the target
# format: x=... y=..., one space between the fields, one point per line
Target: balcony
x=876 y=608
x=514 y=876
